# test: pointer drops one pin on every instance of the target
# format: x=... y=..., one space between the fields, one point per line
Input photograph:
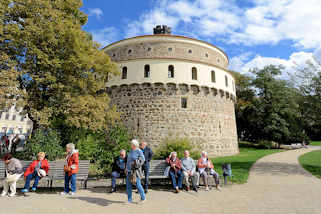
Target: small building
x=12 y=122
x=175 y=85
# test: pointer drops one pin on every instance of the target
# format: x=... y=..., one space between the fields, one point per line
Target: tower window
x=226 y=81
x=190 y=51
x=194 y=73
x=184 y=102
x=149 y=49
x=171 y=71
x=124 y=73
x=170 y=49
x=129 y=51
x=13 y=117
x=147 y=71
x=206 y=55
x=7 y=116
x=213 y=77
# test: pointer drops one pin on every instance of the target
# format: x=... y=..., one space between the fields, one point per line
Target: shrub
x=43 y=140
x=116 y=139
x=177 y=144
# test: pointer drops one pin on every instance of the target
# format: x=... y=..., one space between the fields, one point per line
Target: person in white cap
x=135 y=161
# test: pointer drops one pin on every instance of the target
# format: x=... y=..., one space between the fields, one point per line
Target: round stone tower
x=175 y=85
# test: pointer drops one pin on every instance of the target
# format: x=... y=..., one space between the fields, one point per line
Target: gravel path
x=277 y=184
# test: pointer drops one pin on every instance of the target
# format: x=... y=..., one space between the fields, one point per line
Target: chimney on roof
x=162 y=29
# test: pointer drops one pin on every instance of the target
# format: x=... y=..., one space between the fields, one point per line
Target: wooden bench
x=56 y=171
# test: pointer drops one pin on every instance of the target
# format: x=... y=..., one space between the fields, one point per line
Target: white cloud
x=266 y=22
x=95 y=12
x=296 y=61
x=105 y=36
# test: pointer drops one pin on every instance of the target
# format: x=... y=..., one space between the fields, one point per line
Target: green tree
x=44 y=140
x=61 y=70
x=268 y=108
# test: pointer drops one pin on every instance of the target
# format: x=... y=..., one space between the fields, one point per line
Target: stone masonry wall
x=167 y=50
x=153 y=111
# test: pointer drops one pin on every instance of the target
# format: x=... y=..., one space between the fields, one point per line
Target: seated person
x=36 y=170
x=175 y=171
x=189 y=170
x=118 y=170
x=13 y=171
x=205 y=169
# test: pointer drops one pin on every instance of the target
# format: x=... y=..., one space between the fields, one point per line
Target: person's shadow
x=94 y=200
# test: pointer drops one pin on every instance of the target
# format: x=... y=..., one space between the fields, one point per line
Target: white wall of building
x=182 y=74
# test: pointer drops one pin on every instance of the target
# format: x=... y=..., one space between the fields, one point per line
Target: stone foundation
x=153 y=112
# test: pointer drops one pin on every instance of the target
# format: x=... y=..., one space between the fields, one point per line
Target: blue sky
x=253 y=33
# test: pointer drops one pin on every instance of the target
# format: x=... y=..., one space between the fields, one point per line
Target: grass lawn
x=315 y=143
x=242 y=163
x=312 y=162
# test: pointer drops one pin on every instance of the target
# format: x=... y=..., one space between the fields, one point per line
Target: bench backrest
x=157 y=167
x=56 y=171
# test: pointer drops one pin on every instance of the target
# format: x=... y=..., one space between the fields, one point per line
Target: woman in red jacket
x=36 y=170
x=71 y=169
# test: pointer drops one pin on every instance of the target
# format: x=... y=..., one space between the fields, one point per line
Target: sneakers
x=24 y=190
x=207 y=189
x=142 y=201
x=72 y=193
x=12 y=194
x=218 y=188
x=112 y=190
x=188 y=188
x=176 y=190
x=33 y=189
x=3 y=194
x=63 y=193
x=195 y=189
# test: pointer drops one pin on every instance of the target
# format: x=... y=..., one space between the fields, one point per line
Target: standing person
x=135 y=161
x=189 y=170
x=175 y=171
x=118 y=170
x=206 y=169
x=13 y=172
x=71 y=169
x=148 y=154
x=6 y=142
x=36 y=170
x=14 y=143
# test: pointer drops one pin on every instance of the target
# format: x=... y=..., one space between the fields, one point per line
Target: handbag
x=11 y=177
x=66 y=168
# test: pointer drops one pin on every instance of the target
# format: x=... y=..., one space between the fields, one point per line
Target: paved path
x=277 y=184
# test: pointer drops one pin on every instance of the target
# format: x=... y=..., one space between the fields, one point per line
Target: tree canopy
x=52 y=66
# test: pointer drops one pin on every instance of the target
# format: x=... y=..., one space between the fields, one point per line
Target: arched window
x=147 y=71
x=194 y=73
x=226 y=81
x=213 y=77
x=124 y=73
x=171 y=71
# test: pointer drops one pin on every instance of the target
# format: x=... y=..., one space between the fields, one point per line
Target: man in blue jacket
x=148 y=153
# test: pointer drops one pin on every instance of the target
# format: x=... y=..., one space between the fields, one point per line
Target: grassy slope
x=315 y=143
x=242 y=163
x=312 y=162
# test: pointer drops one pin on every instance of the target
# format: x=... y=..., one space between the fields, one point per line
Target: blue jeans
x=114 y=176
x=72 y=180
x=129 y=188
x=29 y=178
x=179 y=178
x=146 y=171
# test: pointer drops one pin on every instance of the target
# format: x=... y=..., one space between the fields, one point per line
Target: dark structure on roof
x=162 y=29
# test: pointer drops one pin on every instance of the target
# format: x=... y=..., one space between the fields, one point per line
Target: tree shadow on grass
x=314 y=170
x=94 y=200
